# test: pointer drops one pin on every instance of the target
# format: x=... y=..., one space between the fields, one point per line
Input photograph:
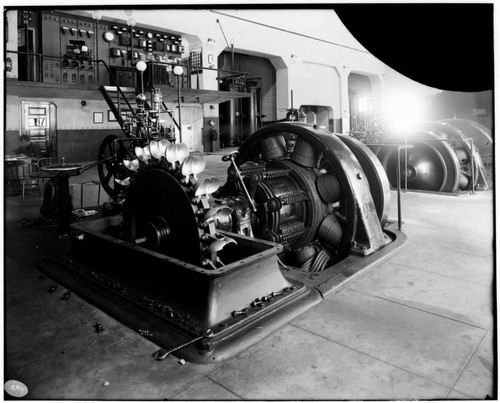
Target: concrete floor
x=418 y=326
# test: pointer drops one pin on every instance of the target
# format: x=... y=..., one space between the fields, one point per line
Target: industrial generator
x=204 y=268
x=447 y=156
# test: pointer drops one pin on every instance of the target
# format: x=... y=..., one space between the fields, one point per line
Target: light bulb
x=141 y=66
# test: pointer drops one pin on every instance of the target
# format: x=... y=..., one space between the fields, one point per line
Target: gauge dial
x=108 y=36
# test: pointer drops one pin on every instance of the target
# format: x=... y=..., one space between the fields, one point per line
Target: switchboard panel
x=51 y=64
x=72 y=45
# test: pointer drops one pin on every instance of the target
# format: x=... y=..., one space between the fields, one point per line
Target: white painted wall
x=324 y=49
x=11 y=41
x=70 y=116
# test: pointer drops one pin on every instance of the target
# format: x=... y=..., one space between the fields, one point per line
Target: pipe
x=179 y=106
x=398 y=172
x=473 y=168
x=406 y=164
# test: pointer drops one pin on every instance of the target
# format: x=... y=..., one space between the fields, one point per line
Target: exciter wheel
x=158 y=215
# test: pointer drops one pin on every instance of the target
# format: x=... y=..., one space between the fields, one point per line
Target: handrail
x=398 y=174
x=221 y=73
x=30 y=54
x=237 y=73
x=119 y=90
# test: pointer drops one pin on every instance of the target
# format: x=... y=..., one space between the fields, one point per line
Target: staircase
x=119 y=100
x=122 y=99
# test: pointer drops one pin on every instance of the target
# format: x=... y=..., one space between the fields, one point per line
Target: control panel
x=71 y=43
x=51 y=64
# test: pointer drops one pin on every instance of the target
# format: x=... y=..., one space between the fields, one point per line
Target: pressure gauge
x=149 y=35
x=108 y=36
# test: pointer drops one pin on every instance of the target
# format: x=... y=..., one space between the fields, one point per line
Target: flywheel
x=158 y=215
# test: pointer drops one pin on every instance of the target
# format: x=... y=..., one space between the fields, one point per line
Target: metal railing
x=399 y=147
x=34 y=70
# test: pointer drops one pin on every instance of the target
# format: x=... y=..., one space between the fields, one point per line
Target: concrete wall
x=82 y=145
x=78 y=137
x=295 y=41
x=311 y=50
x=476 y=106
x=11 y=41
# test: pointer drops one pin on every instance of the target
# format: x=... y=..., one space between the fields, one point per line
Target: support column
x=282 y=87
x=344 y=99
x=378 y=87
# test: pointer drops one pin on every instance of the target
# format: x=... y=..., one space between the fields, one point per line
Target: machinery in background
x=367 y=124
x=240 y=117
x=448 y=156
x=205 y=270
x=140 y=125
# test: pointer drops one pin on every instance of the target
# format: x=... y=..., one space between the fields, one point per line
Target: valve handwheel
x=230 y=156
x=111 y=169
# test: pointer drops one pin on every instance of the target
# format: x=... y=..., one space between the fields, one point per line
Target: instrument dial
x=108 y=36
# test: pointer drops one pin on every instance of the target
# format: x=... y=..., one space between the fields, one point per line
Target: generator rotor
x=333 y=200
x=289 y=183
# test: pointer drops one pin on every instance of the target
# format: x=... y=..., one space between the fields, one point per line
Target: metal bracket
x=162 y=353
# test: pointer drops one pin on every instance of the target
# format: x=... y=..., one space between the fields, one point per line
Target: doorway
x=38 y=120
x=320 y=115
x=27 y=47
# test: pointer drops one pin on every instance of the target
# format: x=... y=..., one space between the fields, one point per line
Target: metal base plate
x=332 y=278
x=144 y=312
x=134 y=310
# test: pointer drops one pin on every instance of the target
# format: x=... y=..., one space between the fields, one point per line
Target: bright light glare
x=141 y=66
x=423 y=168
x=404 y=111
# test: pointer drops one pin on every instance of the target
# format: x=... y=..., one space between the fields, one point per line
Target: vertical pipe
x=95 y=56
x=118 y=99
x=398 y=173
x=473 y=166
x=29 y=61
x=179 y=106
x=251 y=112
x=406 y=164
x=134 y=75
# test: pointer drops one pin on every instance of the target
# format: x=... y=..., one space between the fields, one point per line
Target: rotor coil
x=305 y=154
x=273 y=148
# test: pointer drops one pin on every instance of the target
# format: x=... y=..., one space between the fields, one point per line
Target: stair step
x=123 y=98
x=124 y=89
